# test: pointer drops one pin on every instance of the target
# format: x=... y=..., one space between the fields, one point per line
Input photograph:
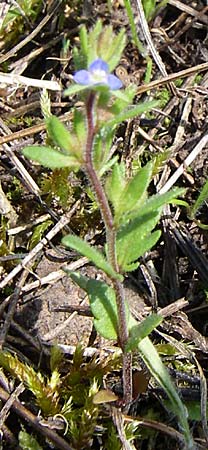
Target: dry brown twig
x=53 y=7
x=21 y=411
x=6 y=408
x=186 y=163
x=12 y=306
x=65 y=219
x=156 y=56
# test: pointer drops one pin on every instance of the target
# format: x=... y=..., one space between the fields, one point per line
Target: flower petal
x=82 y=77
x=114 y=83
x=99 y=64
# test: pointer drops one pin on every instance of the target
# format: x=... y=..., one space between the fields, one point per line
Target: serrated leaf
x=142 y=330
x=90 y=252
x=49 y=157
x=103 y=306
x=59 y=134
x=135 y=192
x=134 y=238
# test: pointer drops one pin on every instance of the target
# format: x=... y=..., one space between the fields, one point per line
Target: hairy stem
x=110 y=239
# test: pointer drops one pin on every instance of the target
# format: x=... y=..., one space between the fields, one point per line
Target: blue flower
x=97 y=75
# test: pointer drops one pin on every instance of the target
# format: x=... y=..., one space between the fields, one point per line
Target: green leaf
x=142 y=330
x=38 y=233
x=123 y=99
x=90 y=252
x=133 y=112
x=28 y=442
x=135 y=192
x=199 y=201
x=133 y=26
x=74 y=89
x=115 y=184
x=159 y=372
x=103 y=306
x=79 y=279
x=59 y=134
x=157 y=201
x=107 y=166
x=149 y=8
x=84 y=44
x=79 y=127
x=93 y=40
x=134 y=238
x=114 y=51
x=49 y=157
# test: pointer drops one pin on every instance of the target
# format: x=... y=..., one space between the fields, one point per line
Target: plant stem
x=111 y=245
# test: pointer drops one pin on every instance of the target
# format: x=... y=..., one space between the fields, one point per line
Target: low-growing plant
x=128 y=213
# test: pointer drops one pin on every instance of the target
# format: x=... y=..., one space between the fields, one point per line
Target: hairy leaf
x=158 y=200
x=135 y=192
x=59 y=134
x=132 y=112
x=74 y=89
x=134 y=238
x=49 y=157
x=141 y=330
x=103 y=306
x=90 y=252
x=115 y=184
x=79 y=279
x=112 y=54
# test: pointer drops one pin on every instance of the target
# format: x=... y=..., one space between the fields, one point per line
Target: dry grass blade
x=34 y=252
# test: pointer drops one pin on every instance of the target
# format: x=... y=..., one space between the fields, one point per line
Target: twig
x=172 y=77
x=189 y=10
x=118 y=419
x=16 y=80
x=59 y=442
x=31 y=130
x=57 y=330
x=54 y=5
x=13 y=303
x=187 y=161
x=189 y=248
x=158 y=60
x=13 y=396
x=155 y=425
x=34 y=252
x=51 y=278
x=32 y=186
